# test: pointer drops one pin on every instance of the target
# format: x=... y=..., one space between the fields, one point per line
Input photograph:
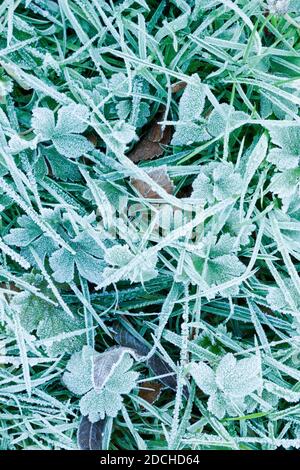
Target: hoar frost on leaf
x=278 y=7
x=191 y=105
x=101 y=379
x=88 y=259
x=217 y=181
x=65 y=133
x=277 y=299
x=30 y=235
x=286 y=157
x=222 y=117
x=217 y=263
x=49 y=321
x=120 y=255
x=236 y=227
x=229 y=385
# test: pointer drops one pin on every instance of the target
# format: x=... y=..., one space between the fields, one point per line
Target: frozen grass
x=216 y=298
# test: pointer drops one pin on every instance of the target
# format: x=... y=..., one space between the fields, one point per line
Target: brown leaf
x=150 y=144
x=93 y=139
x=160 y=176
x=178 y=86
x=10 y=285
x=150 y=391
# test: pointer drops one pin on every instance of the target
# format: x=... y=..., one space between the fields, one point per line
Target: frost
x=49 y=322
x=239 y=378
x=88 y=259
x=60 y=167
x=118 y=84
x=279 y=7
x=104 y=365
x=188 y=133
x=106 y=399
x=218 y=120
x=30 y=235
x=6 y=86
x=78 y=375
x=234 y=226
x=119 y=256
x=204 y=377
x=72 y=120
x=217 y=181
x=218 y=263
x=277 y=300
x=191 y=107
x=230 y=384
x=123 y=132
x=192 y=101
x=17 y=144
x=123 y=109
x=286 y=157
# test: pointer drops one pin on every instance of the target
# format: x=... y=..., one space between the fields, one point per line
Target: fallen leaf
x=90 y=435
x=150 y=144
x=93 y=139
x=150 y=390
x=158 y=365
x=160 y=176
x=176 y=87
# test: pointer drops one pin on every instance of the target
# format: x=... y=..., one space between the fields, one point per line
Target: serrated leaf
x=192 y=101
x=204 y=377
x=72 y=145
x=105 y=397
x=43 y=122
x=188 y=133
x=120 y=255
x=218 y=121
x=49 y=322
x=217 y=181
x=88 y=259
x=78 y=375
x=72 y=119
x=239 y=378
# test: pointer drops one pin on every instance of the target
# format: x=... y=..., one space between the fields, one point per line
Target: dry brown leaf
x=160 y=176
x=10 y=285
x=150 y=391
x=178 y=86
x=150 y=144
x=93 y=139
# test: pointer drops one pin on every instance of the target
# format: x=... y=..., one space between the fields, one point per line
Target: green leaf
x=239 y=378
x=103 y=398
x=192 y=101
x=217 y=181
x=71 y=121
x=218 y=121
x=120 y=255
x=88 y=259
x=49 y=322
x=204 y=377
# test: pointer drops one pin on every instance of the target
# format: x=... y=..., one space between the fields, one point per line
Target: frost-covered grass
x=175 y=331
